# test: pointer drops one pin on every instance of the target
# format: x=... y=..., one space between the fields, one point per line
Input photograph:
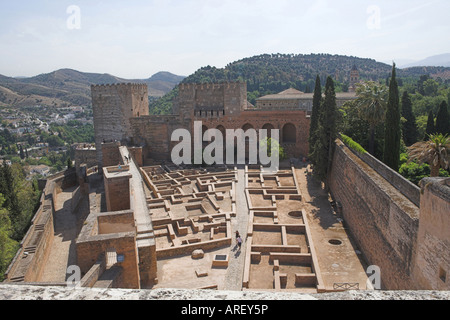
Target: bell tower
x=354 y=79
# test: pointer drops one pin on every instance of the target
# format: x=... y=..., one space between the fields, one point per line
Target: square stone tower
x=113 y=107
x=213 y=100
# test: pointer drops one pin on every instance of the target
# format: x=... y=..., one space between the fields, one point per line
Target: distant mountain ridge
x=72 y=87
x=281 y=71
x=264 y=74
x=441 y=60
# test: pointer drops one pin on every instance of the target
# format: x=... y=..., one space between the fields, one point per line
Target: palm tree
x=372 y=102
x=435 y=152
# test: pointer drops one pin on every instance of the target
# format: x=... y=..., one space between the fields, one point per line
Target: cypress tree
x=409 y=127
x=326 y=132
x=22 y=154
x=393 y=131
x=443 y=120
x=69 y=163
x=320 y=155
x=431 y=129
x=316 y=109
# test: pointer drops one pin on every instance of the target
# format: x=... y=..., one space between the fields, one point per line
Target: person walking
x=239 y=242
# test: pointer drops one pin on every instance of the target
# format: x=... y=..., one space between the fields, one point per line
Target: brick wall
x=383 y=221
x=137 y=154
x=258 y=119
x=154 y=134
x=116 y=222
x=87 y=157
x=432 y=268
x=214 y=104
x=117 y=190
x=147 y=264
x=91 y=245
x=229 y=98
x=90 y=249
x=110 y=154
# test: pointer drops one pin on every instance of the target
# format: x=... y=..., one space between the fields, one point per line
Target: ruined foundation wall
x=92 y=244
x=383 y=221
x=117 y=188
x=89 y=250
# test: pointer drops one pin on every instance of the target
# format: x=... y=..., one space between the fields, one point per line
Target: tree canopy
x=409 y=125
x=371 y=104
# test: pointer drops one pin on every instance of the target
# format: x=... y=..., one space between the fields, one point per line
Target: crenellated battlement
x=120 y=86
x=211 y=86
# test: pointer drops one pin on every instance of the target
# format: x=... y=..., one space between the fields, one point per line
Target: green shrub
x=353 y=145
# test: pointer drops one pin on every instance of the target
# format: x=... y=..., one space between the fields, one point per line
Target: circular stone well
x=296 y=214
x=335 y=242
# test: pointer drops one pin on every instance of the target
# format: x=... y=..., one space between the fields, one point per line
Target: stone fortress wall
x=30 y=259
x=218 y=106
x=154 y=133
x=432 y=262
x=400 y=228
x=384 y=217
x=213 y=100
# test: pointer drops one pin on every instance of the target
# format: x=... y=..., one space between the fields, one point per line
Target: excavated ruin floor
x=341 y=263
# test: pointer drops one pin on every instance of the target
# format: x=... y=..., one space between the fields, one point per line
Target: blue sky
x=135 y=39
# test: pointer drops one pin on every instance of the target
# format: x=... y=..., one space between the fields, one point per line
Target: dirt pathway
x=63 y=249
x=340 y=262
